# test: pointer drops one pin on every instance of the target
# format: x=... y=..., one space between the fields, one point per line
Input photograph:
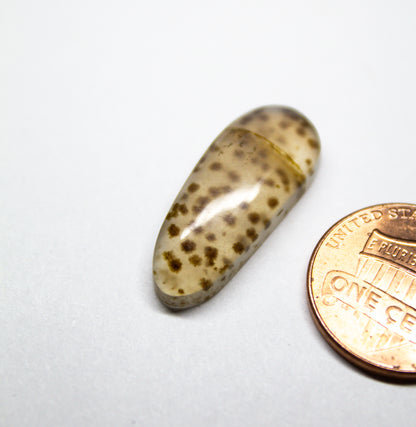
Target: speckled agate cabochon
x=239 y=191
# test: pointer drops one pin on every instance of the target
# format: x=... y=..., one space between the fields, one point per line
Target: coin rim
x=330 y=337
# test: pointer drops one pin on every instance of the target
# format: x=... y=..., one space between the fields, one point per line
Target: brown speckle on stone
x=173 y=213
x=300 y=181
x=227 y=261
x=195 y=260
x=174 y=263
x=227 y=264
x=229 y=219
x=193 y=187
x=252 y=234
x=183 y=209
x=244 y=205
x=304 y=123
x=301 y=131
x=205 y=283
x=211 y=254
x=200 y=204
x=254 y=217
x=238 y=247
x=313 y=143
x=173 y=230
x=223 y=269
x=234 y=176
x=272 y=202
x=210 y=237
x=284 y=124
x=181 y=291
x=283 y=176
x=198 y=230
x=216 y=166
x=188 y=245
x=213 y=147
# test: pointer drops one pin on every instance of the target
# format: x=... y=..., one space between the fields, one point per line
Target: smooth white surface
x=104 y=109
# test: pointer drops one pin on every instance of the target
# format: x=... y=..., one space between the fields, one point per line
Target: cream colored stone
x=239 y=191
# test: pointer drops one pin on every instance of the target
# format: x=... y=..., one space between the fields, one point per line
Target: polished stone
x=238 y=192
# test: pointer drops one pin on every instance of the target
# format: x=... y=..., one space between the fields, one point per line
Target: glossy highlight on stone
x=239 y=191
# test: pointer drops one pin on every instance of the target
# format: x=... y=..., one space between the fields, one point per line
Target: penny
x=362 y=289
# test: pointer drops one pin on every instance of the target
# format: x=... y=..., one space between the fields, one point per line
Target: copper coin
x=362 y=288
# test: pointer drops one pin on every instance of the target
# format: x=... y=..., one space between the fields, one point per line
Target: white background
x=105 y=107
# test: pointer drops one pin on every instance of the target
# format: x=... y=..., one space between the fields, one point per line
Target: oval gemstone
x=239 y=191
